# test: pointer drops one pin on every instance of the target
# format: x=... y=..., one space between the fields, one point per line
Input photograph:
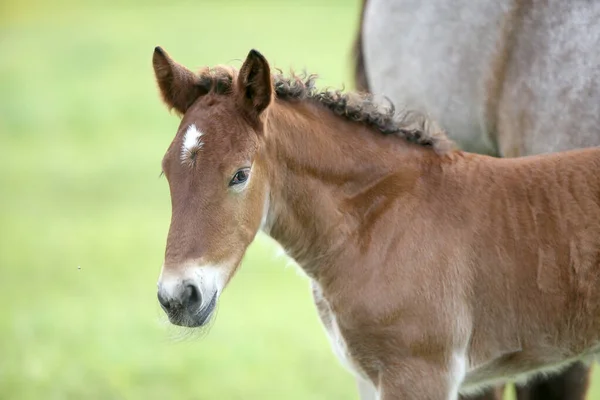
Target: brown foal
x=435 y=271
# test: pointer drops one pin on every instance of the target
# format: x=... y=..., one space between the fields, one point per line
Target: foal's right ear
x=178 y=85
x=255 y=84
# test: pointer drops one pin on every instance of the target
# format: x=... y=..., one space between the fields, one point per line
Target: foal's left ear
x=179 y=86
x=255 y=84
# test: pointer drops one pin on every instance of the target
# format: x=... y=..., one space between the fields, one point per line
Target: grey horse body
x=502 y=77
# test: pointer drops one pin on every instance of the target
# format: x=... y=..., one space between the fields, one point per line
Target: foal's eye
x=240 y=177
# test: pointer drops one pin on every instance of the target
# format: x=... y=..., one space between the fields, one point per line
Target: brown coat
x=434 y=270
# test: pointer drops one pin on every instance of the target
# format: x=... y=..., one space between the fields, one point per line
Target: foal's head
x=217 y=181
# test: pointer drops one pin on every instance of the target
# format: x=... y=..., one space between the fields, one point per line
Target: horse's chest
x=338 y=343
x=339 y=346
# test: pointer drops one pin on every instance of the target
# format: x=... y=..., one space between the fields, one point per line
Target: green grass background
x=82 y=133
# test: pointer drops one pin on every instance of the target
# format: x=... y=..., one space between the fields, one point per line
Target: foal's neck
x=330 y=178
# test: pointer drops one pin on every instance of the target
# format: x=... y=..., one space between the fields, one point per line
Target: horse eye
x=240 y=177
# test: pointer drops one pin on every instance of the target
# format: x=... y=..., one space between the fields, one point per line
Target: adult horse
x=435 y=271
x=502 y=77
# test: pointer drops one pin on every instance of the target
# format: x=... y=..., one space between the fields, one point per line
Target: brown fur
x=512 y=126
x=418 y=257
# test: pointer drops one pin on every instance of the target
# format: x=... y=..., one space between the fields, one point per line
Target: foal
x=434 y=271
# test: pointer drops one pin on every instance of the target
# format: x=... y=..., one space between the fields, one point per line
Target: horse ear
x=179 y=86
x=255 y=84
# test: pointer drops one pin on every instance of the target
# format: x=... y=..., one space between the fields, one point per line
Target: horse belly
x=551 y=94
x=435 y=56
x=521 y=366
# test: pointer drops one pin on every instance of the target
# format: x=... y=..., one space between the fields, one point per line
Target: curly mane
x=411 y=126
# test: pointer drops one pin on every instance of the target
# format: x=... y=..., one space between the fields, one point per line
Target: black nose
x=186 y=298
x=190 y=297
x=163 y=301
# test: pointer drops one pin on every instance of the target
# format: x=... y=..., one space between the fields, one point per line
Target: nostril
x=191 y=294
x=163 y=301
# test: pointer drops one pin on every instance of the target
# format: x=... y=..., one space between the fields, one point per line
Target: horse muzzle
x=186 y=305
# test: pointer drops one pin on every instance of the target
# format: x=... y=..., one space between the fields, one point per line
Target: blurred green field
x=82 y=133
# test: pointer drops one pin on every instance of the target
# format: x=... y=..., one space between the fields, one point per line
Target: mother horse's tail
x=360 y=74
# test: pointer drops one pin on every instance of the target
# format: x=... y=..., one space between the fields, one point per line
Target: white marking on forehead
x=191 y=143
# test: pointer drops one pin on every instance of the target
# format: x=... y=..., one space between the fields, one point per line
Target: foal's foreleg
x=422 y=379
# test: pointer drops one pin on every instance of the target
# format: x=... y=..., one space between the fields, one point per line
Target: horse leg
x=366 y=390
x=420 y=379
x=571 y=384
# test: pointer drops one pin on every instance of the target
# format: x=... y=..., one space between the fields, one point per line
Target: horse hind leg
x=571 y=384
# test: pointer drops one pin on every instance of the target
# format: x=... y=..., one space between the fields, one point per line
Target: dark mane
x=412 y=126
